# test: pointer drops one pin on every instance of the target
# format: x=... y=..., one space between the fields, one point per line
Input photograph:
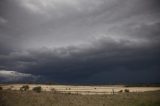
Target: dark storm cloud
x=104 y=60
x=78 y=41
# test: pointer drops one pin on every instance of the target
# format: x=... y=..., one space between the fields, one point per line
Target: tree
x=37 y=89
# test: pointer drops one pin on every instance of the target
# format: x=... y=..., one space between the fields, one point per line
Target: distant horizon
x=87 y=84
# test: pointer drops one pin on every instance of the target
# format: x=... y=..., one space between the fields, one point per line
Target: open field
x=109 y=89
x=68 y=95
x=30 y=98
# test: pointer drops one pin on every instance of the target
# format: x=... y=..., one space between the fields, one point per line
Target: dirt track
x=83 y=89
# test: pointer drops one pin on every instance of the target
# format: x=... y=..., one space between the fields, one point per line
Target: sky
x=80 y=41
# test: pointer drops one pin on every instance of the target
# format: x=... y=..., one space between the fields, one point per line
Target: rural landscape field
x=67 y=95
x=79 y=52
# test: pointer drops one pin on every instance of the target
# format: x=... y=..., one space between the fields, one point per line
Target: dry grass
x=83 y=89
x=30 y=98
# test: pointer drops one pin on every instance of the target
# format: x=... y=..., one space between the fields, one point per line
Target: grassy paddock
x=30 y=98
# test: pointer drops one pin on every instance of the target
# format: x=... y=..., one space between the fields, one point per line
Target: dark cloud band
x=79 y=41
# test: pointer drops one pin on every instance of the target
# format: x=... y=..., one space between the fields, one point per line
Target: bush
x=120 y=91
x=24 y=88
x=126 y=90
x=1 y=88
x=69 y=93
x=37 y=89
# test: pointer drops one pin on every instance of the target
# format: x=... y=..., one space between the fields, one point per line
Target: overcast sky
x=80 y=41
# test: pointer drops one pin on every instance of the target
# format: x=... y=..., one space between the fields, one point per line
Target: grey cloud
x=13 y=76
x=2 y=21
x=88 y=41
x=83 y=63
x=30 y=28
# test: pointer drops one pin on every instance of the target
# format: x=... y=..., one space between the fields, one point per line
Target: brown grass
x=30 y=98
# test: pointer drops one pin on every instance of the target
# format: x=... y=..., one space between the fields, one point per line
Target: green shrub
x=126 y=90
x=24 y=88
x=37 y=89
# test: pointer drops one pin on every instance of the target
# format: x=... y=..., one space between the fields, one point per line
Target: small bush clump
x=69 y=93
x=120 y=91
x=1 y=88
x=24 y=88
x=37 y=89
x=126 y=90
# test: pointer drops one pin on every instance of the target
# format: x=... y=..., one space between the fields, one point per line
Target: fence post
x=113 y=91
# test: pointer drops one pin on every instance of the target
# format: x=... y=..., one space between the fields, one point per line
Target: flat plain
x=68 y=95
x=103 y=89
